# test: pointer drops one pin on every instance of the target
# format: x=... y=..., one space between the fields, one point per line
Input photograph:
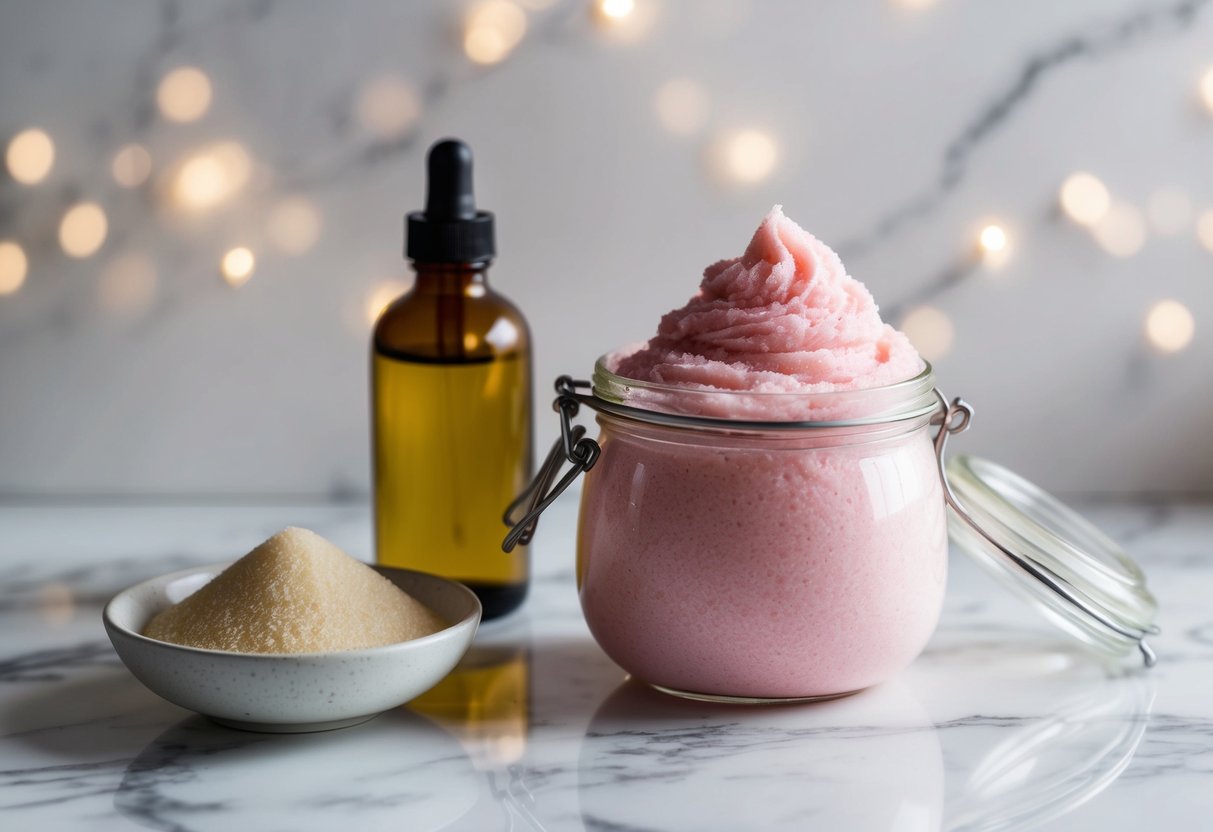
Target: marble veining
x=989 y=109
x=999 y=725
x=1102 y=40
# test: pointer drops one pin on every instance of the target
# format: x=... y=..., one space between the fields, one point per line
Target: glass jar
x=765 y=562
x=790 y=547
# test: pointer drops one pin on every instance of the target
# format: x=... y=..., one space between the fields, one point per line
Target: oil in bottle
x=451 y=400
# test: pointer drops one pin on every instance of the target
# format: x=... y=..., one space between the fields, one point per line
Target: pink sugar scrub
x=785 y=317
x=772 y=564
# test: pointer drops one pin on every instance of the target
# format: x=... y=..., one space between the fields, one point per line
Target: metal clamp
x=955 y=418
x=573 y=446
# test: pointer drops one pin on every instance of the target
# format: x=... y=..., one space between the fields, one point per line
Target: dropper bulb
x=450 y=229
x=449 y=193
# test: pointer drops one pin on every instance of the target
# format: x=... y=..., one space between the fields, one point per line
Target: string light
x=1169 y=210
x=128 y=285
x=992 y=239
x=237 y=266
x=623 y=20
x=381 y=296
x=749 y=156
x=615 y=9
x=1083 y=198
x=1121 y=232
x=293 y=225
x=30 y=156
x=184 y=94
x=1206 y=88
x=1169 y=326
x=388 y=107
x=930 y=331
x=1204 y=230
x=132 y=166
x=83 y=229
x=491 y=31
x=993 y=245
x=682 y=106
x=13 y=267
x=211 y=177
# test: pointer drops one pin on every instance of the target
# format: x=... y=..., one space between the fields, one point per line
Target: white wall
x=605 y=218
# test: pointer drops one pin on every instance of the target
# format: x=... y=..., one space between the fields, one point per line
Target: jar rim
x=675 y=404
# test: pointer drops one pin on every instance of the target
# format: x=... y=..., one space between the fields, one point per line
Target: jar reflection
x=868 y=762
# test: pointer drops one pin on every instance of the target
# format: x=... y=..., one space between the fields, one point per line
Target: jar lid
x=1045 y=552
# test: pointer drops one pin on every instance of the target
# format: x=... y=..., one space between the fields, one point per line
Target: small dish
x=296 y=692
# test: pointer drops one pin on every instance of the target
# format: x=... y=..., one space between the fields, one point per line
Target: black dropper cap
x=450 y=229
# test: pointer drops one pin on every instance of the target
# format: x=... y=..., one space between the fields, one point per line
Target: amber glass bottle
x=451 y=401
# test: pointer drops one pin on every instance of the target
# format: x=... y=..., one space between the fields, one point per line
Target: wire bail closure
x=573 y=446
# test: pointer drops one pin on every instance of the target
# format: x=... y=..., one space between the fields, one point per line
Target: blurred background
x=201 y=212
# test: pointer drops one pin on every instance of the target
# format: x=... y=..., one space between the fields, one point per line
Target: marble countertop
x=999 y=725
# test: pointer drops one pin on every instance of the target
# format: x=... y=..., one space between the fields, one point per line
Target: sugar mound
x=295 y=593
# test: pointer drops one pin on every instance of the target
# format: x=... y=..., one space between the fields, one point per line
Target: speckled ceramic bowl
x=295 y=692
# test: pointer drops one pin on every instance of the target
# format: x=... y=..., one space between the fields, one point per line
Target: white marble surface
x=999 y=725
x=901 y=127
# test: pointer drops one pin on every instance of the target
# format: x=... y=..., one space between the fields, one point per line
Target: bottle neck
x=469 y=279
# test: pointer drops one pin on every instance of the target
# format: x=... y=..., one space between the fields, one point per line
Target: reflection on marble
x=1000 y=725
x=867 y=762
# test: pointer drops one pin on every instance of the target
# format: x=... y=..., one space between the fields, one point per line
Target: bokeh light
x=388 y=107
x=237 y=266
x=293 y=225
x=1169 y=210
x=381 y=296
x=930 y=330
x=1169 y=326
x=749 y=156
x=184 y=94
x=682 y=106
x=13 y=267
x=492 y=29
x=30 y=156
x=1204 y=230
x=615 y=9
x=212 y=176
x=993 y=245
x=1083 y=198
x=128 y=285
x=1206 y=89
x=83 y=229
x=992 y=239
x=132 y=166
x=1121 y=232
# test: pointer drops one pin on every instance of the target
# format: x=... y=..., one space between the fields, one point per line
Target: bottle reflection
x=485 y=701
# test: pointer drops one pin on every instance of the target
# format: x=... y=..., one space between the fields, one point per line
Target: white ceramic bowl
x=290 y=692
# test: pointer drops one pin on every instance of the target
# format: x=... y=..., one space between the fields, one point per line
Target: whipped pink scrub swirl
x=780 y=562
x=784 y=317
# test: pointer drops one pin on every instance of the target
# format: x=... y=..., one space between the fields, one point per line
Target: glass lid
x=1045 y=552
